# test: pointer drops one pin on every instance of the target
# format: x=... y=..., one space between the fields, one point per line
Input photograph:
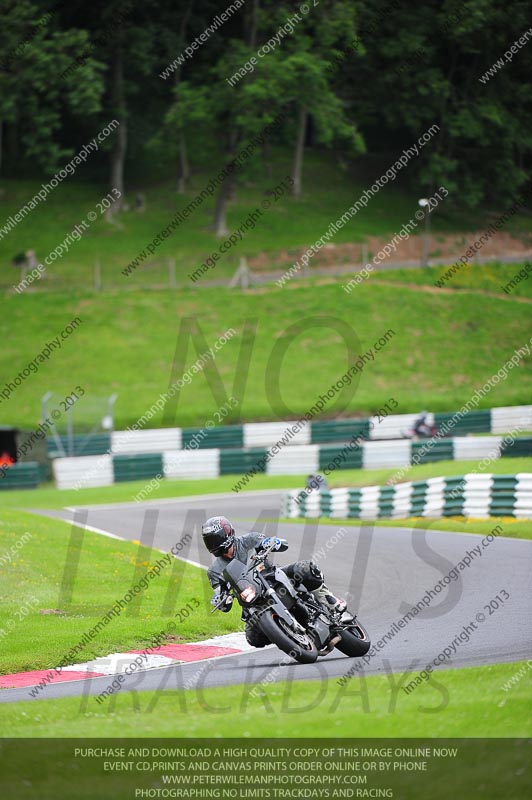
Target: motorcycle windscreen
x=238 y=576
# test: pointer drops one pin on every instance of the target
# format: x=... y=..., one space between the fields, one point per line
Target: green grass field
x=493 y=277
x=456 y=703
x=47 y=496
x=126 y=344
x=288 y=225
x=81 y=576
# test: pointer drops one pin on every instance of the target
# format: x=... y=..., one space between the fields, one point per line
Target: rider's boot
x=326 y=597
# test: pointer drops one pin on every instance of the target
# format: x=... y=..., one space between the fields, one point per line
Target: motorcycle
x=425 y=430
x=291 y=619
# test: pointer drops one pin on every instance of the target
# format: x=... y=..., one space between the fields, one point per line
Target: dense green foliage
x=351 y=76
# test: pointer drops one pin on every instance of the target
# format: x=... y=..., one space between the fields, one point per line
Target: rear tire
x=355 y=640
x=274 y=628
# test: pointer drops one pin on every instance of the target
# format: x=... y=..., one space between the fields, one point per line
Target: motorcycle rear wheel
x=355 y=640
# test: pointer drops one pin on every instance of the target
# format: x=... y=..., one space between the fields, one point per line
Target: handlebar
x=263 y=553
x=261 y=556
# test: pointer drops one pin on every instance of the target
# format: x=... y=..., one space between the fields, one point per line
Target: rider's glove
x=278 y=544
x=225 y=601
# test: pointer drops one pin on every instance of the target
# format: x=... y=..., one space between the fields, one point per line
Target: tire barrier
x=265 y=434
x=25 y=475
x=470 y=495
x=106 y=469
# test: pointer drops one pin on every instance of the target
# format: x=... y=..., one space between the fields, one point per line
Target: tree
x=422 y=67
x=297 y=70
x=33 y=95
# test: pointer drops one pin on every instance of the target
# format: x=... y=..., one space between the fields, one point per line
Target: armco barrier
x=90 y=444
x=473 y=422
x=191 y=464
x=469 y=495
x=84 y=473
x=234 y=462
x=222 y=436
x=20 y=476
x=386 y=454
x=105 y=469
x=440 y=450
x=150 y=441
x=339 y=430
x=137 y=467
x=265 y=434
x=352 y=458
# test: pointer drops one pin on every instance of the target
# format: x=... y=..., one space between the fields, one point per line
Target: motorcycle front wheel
x=301 y=647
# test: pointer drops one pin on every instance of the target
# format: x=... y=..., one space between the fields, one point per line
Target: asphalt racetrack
x=382 y=571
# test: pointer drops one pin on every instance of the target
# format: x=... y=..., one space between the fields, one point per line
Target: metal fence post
x=171 y=273
x=97 y=276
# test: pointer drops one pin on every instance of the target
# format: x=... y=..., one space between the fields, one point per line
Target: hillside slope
x=438 y=348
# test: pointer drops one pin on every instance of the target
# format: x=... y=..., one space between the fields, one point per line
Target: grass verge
x=493 y=277
x=444 y=341
x=289 y=223
x=455 y=703
x=58 y=584
x=48 y=496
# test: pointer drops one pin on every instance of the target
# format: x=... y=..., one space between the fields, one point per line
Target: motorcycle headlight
x=248 y=594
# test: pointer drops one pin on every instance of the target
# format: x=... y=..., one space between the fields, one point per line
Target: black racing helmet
x=218 y=535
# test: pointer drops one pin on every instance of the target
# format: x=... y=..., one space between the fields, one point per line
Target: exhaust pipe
x=332 y=644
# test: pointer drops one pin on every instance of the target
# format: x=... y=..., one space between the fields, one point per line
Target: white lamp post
x=424 y=204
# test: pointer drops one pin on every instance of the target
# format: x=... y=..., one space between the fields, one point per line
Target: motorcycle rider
x=424 y=425
x=222 y=542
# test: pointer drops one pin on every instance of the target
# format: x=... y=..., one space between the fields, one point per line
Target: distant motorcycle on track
x=290 y=618
x=424 y=428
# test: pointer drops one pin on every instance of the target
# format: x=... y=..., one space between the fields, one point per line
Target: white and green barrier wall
x=27 y=475
x=106 y=469
x=102 y=459
x=470 y=495
x=266 y=434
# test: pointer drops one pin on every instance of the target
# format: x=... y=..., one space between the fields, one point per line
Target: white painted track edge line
x=123 y=539
x=90 y=528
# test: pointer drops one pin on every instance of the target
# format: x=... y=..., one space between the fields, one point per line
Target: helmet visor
x=222 y=549
x=215 y=542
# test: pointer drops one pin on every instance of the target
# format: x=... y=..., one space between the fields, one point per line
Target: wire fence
x=171 y=273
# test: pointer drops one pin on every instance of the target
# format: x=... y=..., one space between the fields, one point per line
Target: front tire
x=355 y=641
x=303 y=649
